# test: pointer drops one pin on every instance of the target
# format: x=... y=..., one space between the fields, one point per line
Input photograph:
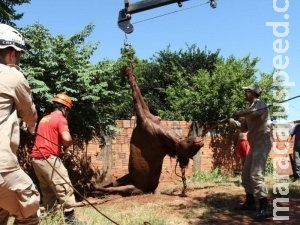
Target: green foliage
x=58 y=64
x=192 y=84
x=110 y=214
x=269 y=170
x=7 y=12
x=199 y=85
x=215 y=175
x=168 y=76
x=274 y=95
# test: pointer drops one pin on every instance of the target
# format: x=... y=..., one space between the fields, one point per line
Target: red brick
x=211 y=156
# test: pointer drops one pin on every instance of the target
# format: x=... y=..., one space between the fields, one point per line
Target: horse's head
x=187 y=148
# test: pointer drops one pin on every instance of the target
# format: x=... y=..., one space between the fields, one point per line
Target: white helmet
x=9 y=37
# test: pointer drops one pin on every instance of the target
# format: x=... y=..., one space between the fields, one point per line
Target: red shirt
x=242 y=148
x=48 y=136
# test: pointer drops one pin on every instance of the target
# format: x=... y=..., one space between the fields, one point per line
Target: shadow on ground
x=219 y=208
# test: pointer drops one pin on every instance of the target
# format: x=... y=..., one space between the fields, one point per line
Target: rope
x=289 y=99
x=183 y=179
x=183 y=192
x=226 y=119
x=69 y=183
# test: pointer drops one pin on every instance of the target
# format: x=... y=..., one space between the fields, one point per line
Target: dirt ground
x=205 y=203
x=210 y=203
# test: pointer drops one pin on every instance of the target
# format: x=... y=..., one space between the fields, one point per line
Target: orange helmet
x=63 y=99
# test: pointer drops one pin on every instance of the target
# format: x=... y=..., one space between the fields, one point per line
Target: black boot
x=264 y=211
x=71 y=220
x=249 y=204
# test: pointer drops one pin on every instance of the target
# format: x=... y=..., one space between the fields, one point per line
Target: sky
x=268 y=29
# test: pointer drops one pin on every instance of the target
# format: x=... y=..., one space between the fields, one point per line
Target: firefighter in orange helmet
x=53 y=135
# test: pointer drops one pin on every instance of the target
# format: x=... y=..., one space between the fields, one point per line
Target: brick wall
x=111 y=161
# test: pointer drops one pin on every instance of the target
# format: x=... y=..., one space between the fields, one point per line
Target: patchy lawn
x=204 y=203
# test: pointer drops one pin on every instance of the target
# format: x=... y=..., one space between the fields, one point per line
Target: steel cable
x=169 y=13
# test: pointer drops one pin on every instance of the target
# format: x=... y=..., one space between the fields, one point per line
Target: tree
x=167 y=70
x=192 y=84
x=58 y=64
x=7 y=12
x=199 y=85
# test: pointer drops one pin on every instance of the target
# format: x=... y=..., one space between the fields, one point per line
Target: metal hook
x=127 y=45
x=213 y=4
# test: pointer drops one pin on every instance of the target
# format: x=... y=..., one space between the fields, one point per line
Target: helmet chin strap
x=63 y=110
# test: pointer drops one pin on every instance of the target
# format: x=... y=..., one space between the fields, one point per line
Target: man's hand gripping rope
x=28 y=129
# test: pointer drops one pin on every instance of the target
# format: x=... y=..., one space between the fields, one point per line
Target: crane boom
x=149 y=4
x=140 y=6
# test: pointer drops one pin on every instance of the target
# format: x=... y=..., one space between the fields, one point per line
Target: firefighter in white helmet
x=256 y=124
x=18 y=194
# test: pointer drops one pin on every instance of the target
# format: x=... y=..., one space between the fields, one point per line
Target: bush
x=269 y=167
x=215 y=175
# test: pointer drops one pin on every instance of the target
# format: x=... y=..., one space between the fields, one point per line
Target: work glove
x=23 y=125
x=223 y=121
x=66 y=150
x=28 y=129
x=232 y=122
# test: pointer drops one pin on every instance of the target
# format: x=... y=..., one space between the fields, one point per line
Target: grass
x=212 y=194
x=216 y=176
x=133 y=213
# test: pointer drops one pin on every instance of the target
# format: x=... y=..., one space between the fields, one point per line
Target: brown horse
x=149 y=144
